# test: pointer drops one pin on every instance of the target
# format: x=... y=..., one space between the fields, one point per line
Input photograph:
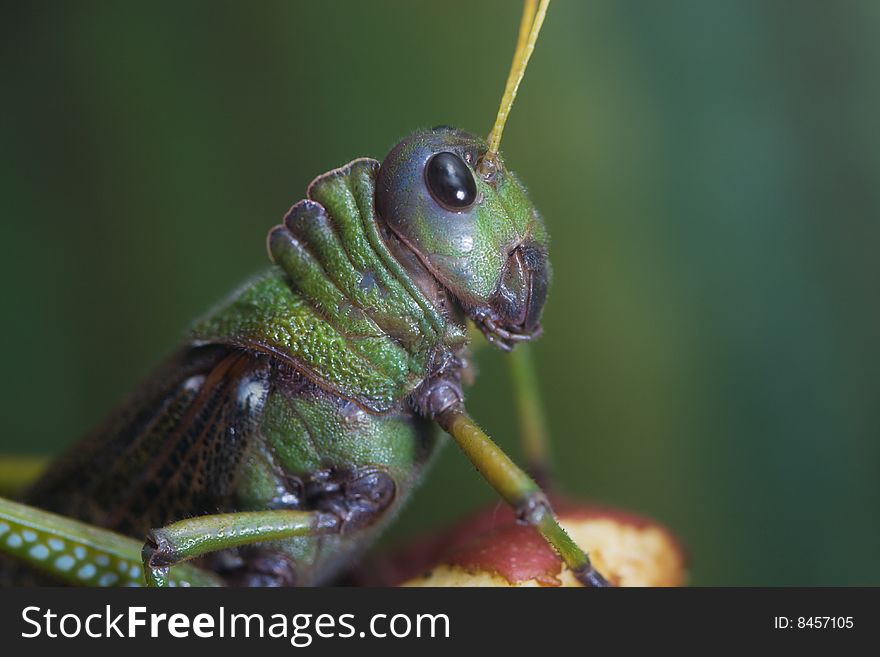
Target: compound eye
x=450 y=181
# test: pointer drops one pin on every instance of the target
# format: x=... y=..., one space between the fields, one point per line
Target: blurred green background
x=709 y=172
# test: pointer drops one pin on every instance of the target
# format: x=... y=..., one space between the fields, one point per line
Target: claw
x=502 y=338
x=591 y=577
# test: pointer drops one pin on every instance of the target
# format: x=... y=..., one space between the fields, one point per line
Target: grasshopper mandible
x=279 y=440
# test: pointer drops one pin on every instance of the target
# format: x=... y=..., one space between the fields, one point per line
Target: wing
x=173 y=450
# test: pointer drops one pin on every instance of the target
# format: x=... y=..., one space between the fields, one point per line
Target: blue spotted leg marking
x=78 y=553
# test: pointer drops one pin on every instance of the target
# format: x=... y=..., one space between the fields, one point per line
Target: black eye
x=450 y=181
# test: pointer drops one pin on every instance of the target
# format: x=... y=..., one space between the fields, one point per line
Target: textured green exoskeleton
x=298 y=415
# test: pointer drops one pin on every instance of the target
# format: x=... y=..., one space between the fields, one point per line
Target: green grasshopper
x=291 y=426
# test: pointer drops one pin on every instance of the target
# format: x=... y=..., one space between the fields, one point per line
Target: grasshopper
x=280 y=439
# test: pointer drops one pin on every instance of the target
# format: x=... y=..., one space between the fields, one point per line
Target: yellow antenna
x=529 y=28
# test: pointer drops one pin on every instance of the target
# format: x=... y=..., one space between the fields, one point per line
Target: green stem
x=19 y=472
x=530 y=412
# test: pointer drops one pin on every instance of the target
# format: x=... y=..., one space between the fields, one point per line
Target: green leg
x=194 y=537
x=530 y=413
x=78 y=553
x=518 y=489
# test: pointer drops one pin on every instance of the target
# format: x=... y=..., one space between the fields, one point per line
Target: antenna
x=529 y=28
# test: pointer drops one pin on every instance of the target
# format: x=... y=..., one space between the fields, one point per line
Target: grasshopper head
x=475 y=231
x=448 y=196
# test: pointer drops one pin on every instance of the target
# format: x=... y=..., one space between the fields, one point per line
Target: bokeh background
x=710 y=172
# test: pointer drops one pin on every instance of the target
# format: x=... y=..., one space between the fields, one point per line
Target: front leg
x=194 y=537
x=517 y=488
x=339 y=501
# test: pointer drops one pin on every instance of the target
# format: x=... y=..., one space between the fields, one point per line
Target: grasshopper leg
x=517 y=489
x=194 y=537
x=77 y=553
